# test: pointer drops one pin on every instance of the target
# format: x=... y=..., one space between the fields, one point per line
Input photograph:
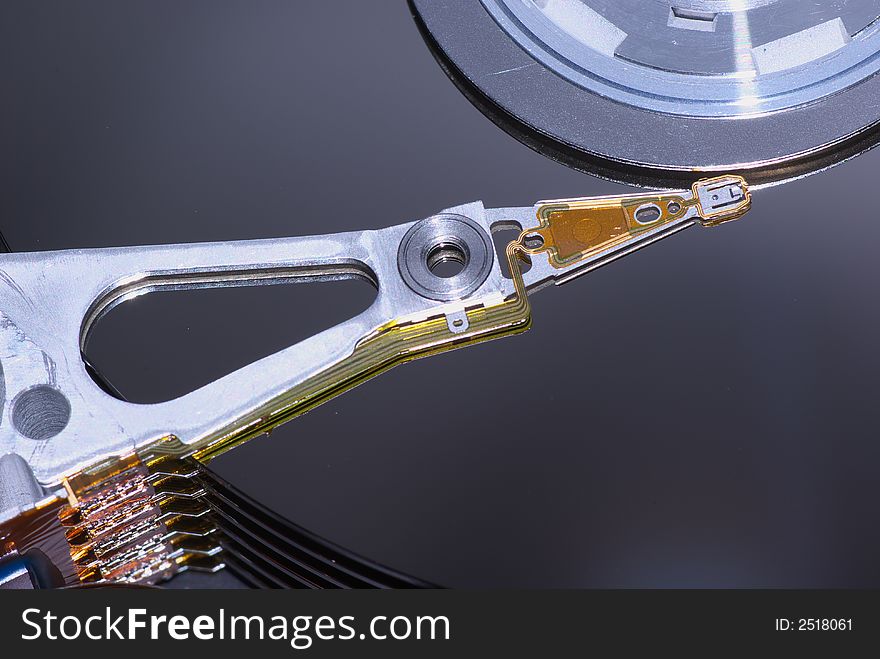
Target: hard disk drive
x=219 y=218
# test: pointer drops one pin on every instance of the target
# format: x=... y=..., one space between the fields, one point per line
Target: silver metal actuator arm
x=63 y=425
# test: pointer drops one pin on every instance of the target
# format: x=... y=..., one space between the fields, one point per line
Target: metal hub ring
x=661 y=92
x=439 y=239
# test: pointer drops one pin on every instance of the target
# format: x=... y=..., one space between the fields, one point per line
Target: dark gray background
x=703 y=413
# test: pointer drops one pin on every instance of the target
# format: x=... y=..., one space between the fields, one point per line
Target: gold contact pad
x=572 y=231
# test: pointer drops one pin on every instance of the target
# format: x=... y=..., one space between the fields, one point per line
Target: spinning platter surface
x=712 y=397
x=662 y=88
